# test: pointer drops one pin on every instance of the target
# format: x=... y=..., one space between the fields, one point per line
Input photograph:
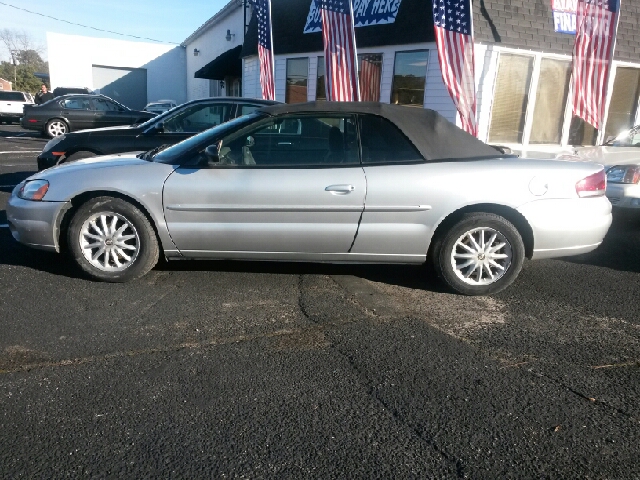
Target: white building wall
x=251 y=78
x=281 y=76
x=210 y=45
x=486 y=71
x=436 y=95
x=71 y=58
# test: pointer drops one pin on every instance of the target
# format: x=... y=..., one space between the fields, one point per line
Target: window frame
x=427 y=51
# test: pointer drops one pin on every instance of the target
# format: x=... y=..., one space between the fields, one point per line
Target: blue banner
x=366 y=12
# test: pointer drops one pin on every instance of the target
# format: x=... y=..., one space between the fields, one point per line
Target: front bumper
x=564 y=227
x=624 y=195
x=35 y=223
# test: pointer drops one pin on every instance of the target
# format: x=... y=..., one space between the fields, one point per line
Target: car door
x=185 y=122
x=398 y=215
x=265 y=203
x=108 y=114
x=79 y=111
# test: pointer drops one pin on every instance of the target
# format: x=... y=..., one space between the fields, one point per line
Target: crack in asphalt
x=582 y=395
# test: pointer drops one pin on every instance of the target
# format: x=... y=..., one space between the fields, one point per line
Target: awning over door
x=227 y=64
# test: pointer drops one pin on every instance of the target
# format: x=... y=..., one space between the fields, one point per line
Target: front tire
x=78 y=156
x=55 y=128
x=112 y=241
x=481 y=254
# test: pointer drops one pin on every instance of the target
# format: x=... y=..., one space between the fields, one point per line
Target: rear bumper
x=37 y=125
x=623 y=195
x=35 y=223
x=564 y=227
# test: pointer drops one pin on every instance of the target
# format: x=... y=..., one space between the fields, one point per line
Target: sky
x=168 y=21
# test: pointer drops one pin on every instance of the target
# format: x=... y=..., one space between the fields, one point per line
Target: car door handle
x=340 y=189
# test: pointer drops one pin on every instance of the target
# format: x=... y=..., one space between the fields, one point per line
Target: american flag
x=370 y=70
x=596 y=26
x=265 y=50
x=453 y=23
x=341 y=64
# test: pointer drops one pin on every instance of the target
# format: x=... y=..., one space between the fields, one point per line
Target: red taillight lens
x=32 y=121
x=632 y=175
x=593 y=185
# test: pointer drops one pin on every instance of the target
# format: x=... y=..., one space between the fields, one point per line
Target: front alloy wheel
x=112 y=240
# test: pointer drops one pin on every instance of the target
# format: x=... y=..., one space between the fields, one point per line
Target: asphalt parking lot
x=266 y=370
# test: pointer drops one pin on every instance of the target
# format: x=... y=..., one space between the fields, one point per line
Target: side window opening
x=383 y=142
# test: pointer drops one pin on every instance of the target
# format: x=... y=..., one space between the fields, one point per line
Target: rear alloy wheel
x=112 y=240
x=482 y=254
x=56 y=127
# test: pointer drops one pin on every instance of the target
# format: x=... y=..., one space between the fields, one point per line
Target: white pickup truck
x=11 y=103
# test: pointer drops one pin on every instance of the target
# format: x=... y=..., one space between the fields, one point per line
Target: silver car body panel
x=122 y=174
x=343 y=214
x=622 y=195
x=209 y=211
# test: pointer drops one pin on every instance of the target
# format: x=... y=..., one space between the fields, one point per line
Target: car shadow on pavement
x=620 y=249
x=9 y=180
x=410 y=276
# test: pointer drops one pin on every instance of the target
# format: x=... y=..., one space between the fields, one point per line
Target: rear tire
x=481 y=254
x=56 y=127
x=112 y=241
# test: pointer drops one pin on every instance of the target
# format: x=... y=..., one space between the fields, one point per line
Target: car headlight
x=33 y=190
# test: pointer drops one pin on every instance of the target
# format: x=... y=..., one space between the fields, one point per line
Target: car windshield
x=172 y=154
x=627 y=138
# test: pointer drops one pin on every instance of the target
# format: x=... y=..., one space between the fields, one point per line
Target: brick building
x=5 y=84
x=523 y=65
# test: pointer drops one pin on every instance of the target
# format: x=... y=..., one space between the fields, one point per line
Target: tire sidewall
x=442 y=259
x=148 y=252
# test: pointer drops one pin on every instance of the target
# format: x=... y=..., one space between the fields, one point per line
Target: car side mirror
x=158 y=127
x=211 y=152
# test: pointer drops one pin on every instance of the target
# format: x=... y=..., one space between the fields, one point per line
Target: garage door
x=126 y=85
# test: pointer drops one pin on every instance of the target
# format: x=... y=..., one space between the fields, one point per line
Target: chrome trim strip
x=264 y=208
x=398 y=208
x=293 y=208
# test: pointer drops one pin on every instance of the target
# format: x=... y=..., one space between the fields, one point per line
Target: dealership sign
x=564 y=15
x=365 y=12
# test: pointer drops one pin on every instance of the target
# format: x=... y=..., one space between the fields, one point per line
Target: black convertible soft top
x=434 y=136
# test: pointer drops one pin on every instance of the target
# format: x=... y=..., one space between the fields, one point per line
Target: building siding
x=528 y=25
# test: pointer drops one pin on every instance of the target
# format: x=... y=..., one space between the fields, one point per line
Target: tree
x=25 y=60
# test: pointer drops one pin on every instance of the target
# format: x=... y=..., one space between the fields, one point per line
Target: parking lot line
x=22 y=151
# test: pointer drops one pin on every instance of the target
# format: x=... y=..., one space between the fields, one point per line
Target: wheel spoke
x=475 y=244
x=465 y=255
x=103 y=222
x=497 y=247
x=114 y=222
x=496 y=264
x=99 y=252
x=96 y=228
x=488 y=270
x=123 y=255
x=499 y=255
x=466 y=264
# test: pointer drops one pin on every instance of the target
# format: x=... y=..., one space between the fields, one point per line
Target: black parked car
x=77 y=112
x=167 y=128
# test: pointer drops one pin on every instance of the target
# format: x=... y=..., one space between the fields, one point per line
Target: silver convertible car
x=318 y=182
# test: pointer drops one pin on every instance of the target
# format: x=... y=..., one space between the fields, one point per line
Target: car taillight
x=593 y=185
x=632 y=175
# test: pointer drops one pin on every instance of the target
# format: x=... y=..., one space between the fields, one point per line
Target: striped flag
x=370 y=70
x=265 y=50
x=596 y=27
x=453 y=23
x=341 y=64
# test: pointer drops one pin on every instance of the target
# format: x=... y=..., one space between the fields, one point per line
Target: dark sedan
x=77 y=112
x=167 y=128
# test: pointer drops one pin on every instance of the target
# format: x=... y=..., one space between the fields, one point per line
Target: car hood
x=608 y=155
x=106 y=130
x=94 y=163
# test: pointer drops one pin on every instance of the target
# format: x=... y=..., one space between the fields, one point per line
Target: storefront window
x=369 y=75
x=510 y=99
x=551 y=100
x=321 y=93
x=297 y=74
x=582 y=133
x=624 y=101
x=409 y=75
